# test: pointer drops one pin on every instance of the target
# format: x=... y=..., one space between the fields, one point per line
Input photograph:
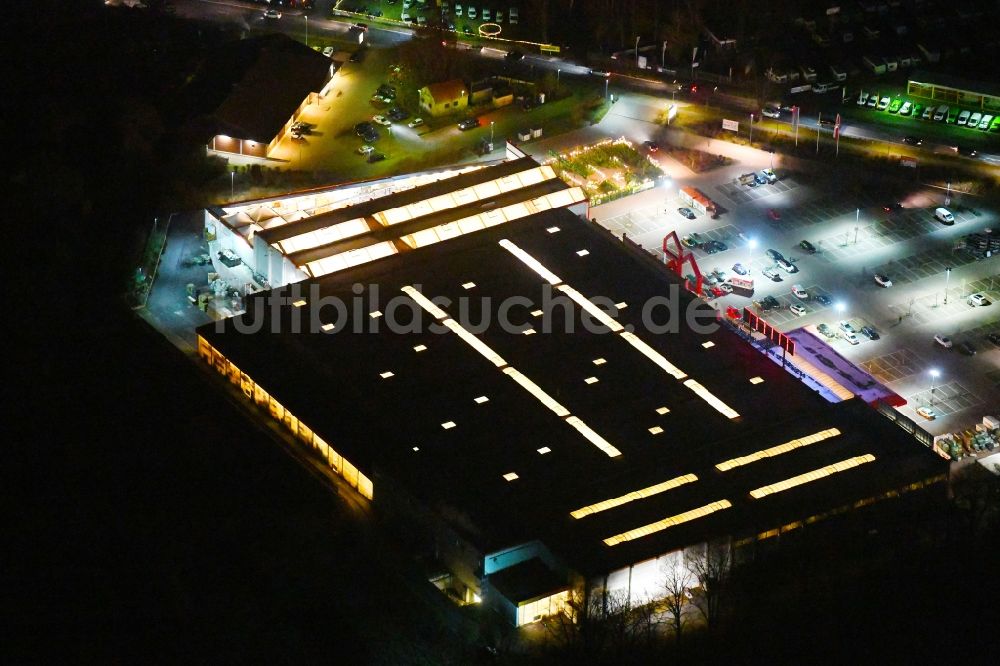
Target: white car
x=862 y=99
x=382 y=120
x=883 y=280
x=471 y=13
x=796 y=310
x=850 y=337
x=985 y=123
x=272 y=14
x=944 y=341
x=978 y=299
x=771 y=112
x=458 y=10
x=944 y=216
x=963 y=118
x=329 y=51
x=905 y=109
x=800 y=292
x=927 y=413
x=366 y=150
x=928 y=113
x=769 y=175
x=787 y=266
x=416 y=122
x=883 y=104
x=845 y=326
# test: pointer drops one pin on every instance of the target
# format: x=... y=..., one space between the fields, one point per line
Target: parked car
x=772 y=274
x=770 y=303
x=823 y=299
x=396 y=114
x=862 y=98
x=717 y=292
x=800 y=292
x=796 y=309
x=468 y=123
x=894 y=107
x=974 y=119
x=651 y=146
x=740 y=269
x=787 y=266
x=966 y=348
x=872 y=102
x=846 y=326
x=771 y=112
x=850 y=337
x=807 y=246
x=382 y=120
x=826 y=330
x=512 y=56
x=928 y=113
x=943 y=340
x=761 y=180
x=416 y=122
x=883 y=280
x=686 y=212
x=774 y=254
x=366 y=150
x=918 y=110
x=713 y=246
x=883 y=104
x=963 y=118
x=773 y=214
x=769 y=175
x=913 y=140
x=985 y=123
x=329 y=51
x=363 y=128
x=978 y=299
x=726 y=287
x=376 y=157
x=906 y=109
x=273 y=14
x=927 y=413
x=944 y=216
x=870 y=332
x=691 y=240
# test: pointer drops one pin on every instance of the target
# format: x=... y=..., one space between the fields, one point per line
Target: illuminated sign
x=770 y=332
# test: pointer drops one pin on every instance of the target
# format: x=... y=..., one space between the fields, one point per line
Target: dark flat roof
x=332 y=383
x=990 y=88
x=527 y=581
x=270 y=77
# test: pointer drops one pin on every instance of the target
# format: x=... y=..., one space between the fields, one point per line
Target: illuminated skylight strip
x=592 y=308
x=643 y=493
x=593 y=437
x=653 y=355
x=475 y=343
x=425 y=303
x=531 y=262
x=710 y=398
x=672 y=521
x=778 y=450
x=814 y=475
x=533 y=388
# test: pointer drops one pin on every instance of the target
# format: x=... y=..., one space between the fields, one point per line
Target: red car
x=773 y=214
x=717 y=292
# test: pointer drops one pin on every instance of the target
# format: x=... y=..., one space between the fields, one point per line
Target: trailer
x=697 y=199
x=741 y=286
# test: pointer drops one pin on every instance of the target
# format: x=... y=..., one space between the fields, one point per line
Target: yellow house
x=445 y=97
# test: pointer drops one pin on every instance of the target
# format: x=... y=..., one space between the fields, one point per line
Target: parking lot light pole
x=947 y=278
x=491 y=132
x=751 y=245
x=232 y=184
x=307 y=29
x=934 y=375
x=751 y=130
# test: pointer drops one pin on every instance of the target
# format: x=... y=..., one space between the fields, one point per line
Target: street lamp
x=307 y=29
x=637 y=51
x=934 y=375
x=558 y=72
x=605 y=87
x=752 y=245
x=772 y=159
x=947 y=278
x=232 y=184
x=491 y=133
x=663 y=54
x=751 y=130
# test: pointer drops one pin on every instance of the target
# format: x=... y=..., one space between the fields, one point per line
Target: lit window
x=655 y=430
x=420 y=348
x=662 y=410
x=582 y=253
x=510 y=476
x=375 y=315
x=708 y=345
x=448 y=425
x=552 y=230
x=537 y=313
x=469 y=285
x=591 y=380
x=528 y=331
x=756 y=380
x=386 y=374
x=599 y=361
x=327 y=327
x=299 y=303
x=544 y=450
x=481 y=399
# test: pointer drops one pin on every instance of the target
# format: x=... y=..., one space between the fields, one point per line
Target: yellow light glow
x=420 y=348
x=708 y=345
x=481 y=399
x=599 y=361
x=387 y=374
x=591 y=380
x=778 y=450
x=708 y=397
x=662 y=410
x=552 y=230
x=448 y=425
x=593 y=437
x=672 y=521
x=469 y=285
x=642 y=493
x=653 y=355
x=655 y=430
x=544 y=450
x=533 y=388
x=299 y=303
x=531 y=262
x=814 y=475
x=510 y=476
x=756 y=380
